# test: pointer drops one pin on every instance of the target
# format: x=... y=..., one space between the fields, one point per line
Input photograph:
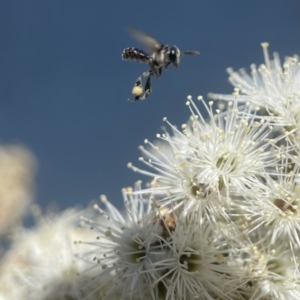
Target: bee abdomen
x=132 y=53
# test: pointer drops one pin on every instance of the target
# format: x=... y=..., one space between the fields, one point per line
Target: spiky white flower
x=205 y=162
x=196 y=266
x=274 y=209
x=126 y=247
x=273 y=86
x=41 y=263
x=271 y=272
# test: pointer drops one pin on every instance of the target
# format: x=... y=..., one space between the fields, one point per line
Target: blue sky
x=64 y=87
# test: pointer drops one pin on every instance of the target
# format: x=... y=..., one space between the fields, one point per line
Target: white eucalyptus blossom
x=196 y=265
x=41 y=264
x=126 y=247
x=271 y=272
x=276 y=208
x=204 y=163
x=272 y=85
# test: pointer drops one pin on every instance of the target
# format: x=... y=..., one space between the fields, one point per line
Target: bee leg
x=154 y=71
x=147 y=89
x=138 y=91
x=136 y=98
x=159 y=71
x=167 y=64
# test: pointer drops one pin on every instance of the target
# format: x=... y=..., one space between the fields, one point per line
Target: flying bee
x=158 y=56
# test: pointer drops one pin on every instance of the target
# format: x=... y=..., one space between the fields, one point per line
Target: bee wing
x=191 y=52
x=145 y=39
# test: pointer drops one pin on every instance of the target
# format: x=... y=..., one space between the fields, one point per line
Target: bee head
x=174 y=56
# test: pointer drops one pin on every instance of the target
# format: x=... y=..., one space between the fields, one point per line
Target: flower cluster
x=41 y=263
x=219 y=218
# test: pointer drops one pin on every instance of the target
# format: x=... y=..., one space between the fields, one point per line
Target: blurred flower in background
x=41 y=263
x=17 y=185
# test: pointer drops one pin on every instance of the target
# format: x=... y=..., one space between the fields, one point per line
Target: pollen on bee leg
x=137 y=90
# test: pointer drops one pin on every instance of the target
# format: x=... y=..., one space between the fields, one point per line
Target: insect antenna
x=191 y=52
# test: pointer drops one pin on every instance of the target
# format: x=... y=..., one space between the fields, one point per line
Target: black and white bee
x=158 y=57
